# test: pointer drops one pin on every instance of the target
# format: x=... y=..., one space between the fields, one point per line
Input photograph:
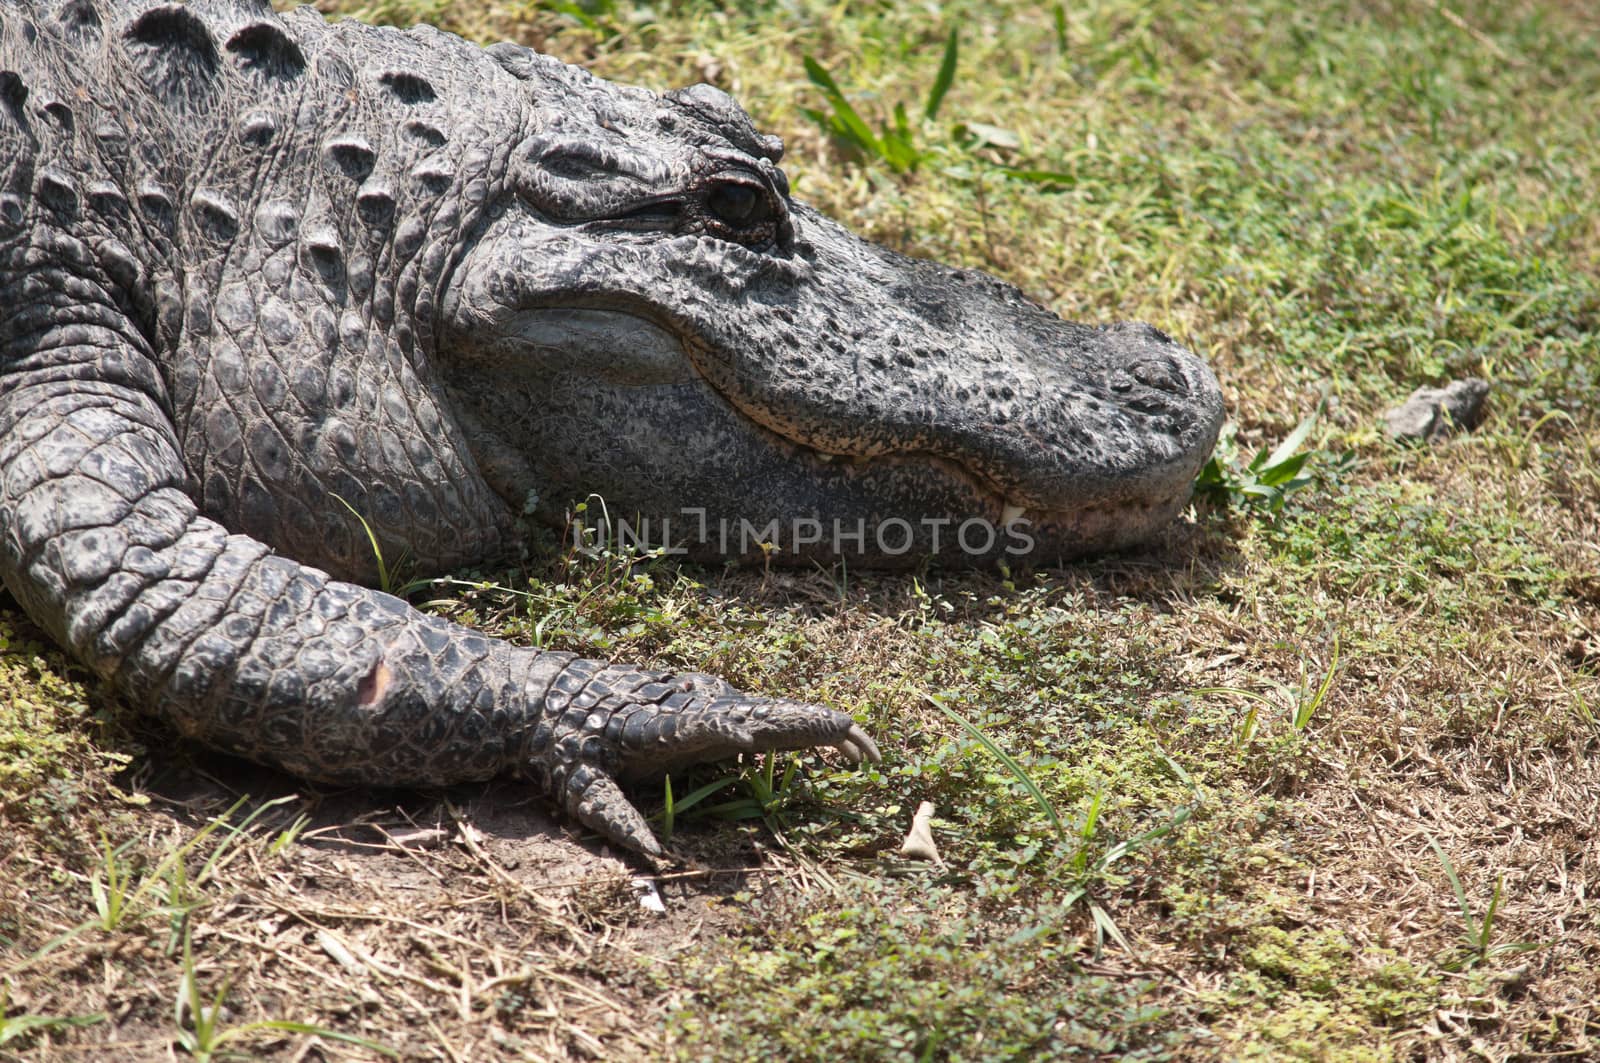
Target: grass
x=895 y=144
x=201 y=1033
x=1300 y=780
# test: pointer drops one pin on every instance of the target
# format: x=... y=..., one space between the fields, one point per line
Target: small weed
x=110 y=887
x=1017 y=771
x=1303 y=701
x=1477 y=939
x=601 y=589
x=908 y=972
x=1580 y=705
x=1305 y=708
x=289 y=835
x=117 y=898
x=1267 y=481
x=600 y=17
x=673 y=807
x=766 y=795
x=388 y=580
x=1083 y=871
x=199 y=1024
x=1088 y=874
x=895 y=143
x=616 y=545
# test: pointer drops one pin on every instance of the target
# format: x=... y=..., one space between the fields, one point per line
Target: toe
x=703 y=730
x=592 y=797
x=858 y=746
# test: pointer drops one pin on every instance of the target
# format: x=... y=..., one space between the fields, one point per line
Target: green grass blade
x=1132 y=845
x=944 y=79
x=1248 y=726
x=1105 y=927
x=377 y=551
x=1092 y=816
x=1304 y=713
x=572 y=11
x=21 y=1025
x=51 y=945
x=669 y=813
x=845 y=118
x=695 y=796
x=1005 y=758
x=1248 y=695
x=1486 y=926
x=1294 y=440
x=1581 y=707
x=737 y=809
x=1073 y=896
x=159 y=875
x=1460 y=892
x=235 y=833
x=1284 y=471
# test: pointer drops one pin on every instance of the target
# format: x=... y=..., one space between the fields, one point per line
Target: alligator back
x=272 y=204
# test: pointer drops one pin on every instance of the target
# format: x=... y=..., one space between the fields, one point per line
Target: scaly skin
x=254 y=267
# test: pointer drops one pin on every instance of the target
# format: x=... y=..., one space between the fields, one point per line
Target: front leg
x=256 y=654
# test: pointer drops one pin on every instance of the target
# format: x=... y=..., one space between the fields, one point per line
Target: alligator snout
x=918 y=361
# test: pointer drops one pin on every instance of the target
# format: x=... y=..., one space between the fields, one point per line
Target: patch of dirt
x=488 y=921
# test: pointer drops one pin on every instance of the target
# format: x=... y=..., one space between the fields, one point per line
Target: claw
x=858 y=746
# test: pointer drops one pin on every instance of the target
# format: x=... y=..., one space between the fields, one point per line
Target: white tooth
x=1011 y=512
x=824 y=457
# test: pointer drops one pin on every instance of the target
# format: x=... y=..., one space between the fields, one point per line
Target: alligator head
x=648 y=315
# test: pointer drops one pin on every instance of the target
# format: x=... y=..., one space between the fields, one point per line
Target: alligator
x=269 y=283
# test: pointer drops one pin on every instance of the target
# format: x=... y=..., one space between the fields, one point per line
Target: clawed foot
x=606 y=724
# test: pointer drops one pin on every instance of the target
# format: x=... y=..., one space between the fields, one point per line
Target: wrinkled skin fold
x=262 y=273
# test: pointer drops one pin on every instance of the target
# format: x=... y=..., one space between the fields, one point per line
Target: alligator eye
x=738 y=205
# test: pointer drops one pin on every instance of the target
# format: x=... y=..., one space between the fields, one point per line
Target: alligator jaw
x=1062 y=532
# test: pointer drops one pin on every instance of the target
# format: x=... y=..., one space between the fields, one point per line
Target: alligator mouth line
x=956 y=471
x=995 y=507
x=949 y=475
x=1000 y=509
